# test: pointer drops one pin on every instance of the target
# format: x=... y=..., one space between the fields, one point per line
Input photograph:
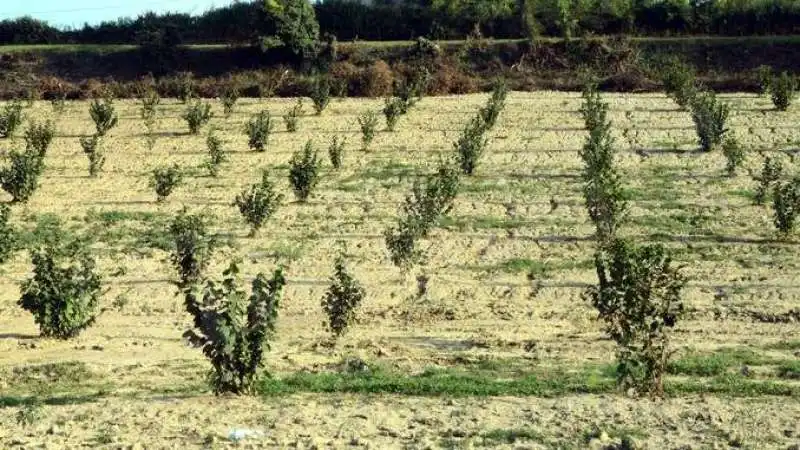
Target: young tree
x=295 y=27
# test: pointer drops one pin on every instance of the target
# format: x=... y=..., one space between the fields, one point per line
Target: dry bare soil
x=456 y=368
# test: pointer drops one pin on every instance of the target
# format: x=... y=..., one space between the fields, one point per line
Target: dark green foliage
x=64 y=291
x=8 y=235
x=734 y=154
x=341 y=300
x=709 y=116
x=368 y=122
x=258 y=130
x=38 y=137
x=771 y=171
x=336 y=151
x=103 y=115
x=10 y=119
x=258 y=203
x=191 y=249
x=304 y=172
x=679 y=81
x=229 y=98
x=782 y=90
x=495 y=105
x=471 y=144
x=197 y=115
x=296 y=27
x=91 y=148
x=216 y=154
x=233 y=330
x=165 y=180
x=429 y=200
x=320 y=93
x=786 y=204
x=764 y=75
x=393 y=108
x=21 y=177
x=638 y=299
x=602 y=187
x=292 y=117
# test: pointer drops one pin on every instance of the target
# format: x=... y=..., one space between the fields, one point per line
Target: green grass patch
x=510 y=436
x=784 y=345
x=534 y=267
x=717 y=363
x=789 y=370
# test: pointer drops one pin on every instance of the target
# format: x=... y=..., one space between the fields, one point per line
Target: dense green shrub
x=495 y=105
x=64 y=291
x=782 y=90
x=786 y=204
x=91 y=148
x=336 y=151
x=341 y=300
x=368 y=122
x=39 y=136
x=258 y=203
x=296 y=27
x=165 y=180
x=21 y=177
x=679 y=81
x=321 y=93
x=103 y=115
x=638 y=297
x=229 y=98
x=216 y=153
x=8 y=235
x=10 y=119
x=192 y=247
x=734 y=154
x=471 y=144
x=233 y=330
x=258 y=130
x=771 y=172
x=291 y=118
x=709 y=116
x=197 y=114
x=304 y=172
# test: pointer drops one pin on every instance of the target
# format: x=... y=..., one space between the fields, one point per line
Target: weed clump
x=258 y=130
x=638 y=297
x=64 y=291
x=304 y=172
x=10 y=119
x=258 y=203
x=165 y=180
x=341 y=300
x=103 y=115
x=232 y=329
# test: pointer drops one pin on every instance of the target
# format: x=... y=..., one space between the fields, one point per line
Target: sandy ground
x=474 y=305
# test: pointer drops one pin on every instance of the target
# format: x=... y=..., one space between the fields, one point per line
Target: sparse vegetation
x=782 y=90
x=232 y=329
x=39 y=136
x=197 y=115
x=304 y=172
x=192 y=247
x=497 y=102
x=321 y=93
x=679 y=82
x=8 y=235
x=786 y=204
x=258 y=130
x=710 y=116
x=64 y=292
x=336 y=151
x=393 y=108
x=471 y=144
x=734 y=155
x=216 y=153
x=258 y=203
x=165 y=180
x=341 y=300
x=771 y=172
x=21 y=177
x=229 y=98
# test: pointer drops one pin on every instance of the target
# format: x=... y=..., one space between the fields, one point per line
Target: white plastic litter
x=237 y=434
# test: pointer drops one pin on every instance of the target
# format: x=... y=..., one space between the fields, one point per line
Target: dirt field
x=129 y=381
